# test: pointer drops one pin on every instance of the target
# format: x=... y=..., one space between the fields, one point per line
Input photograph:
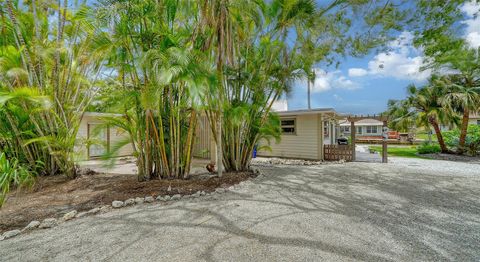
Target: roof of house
x=306 y=111
x=363 y=122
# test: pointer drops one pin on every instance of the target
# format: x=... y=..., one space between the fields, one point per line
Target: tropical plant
x=261 y=48
x=50 y=58
x=428 y=148
x=447 y=50
x=12 y=173
x=423 y=106
x=472 y=140
x=161 y=77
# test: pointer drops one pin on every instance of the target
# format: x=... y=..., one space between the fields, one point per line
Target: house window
x=359 y=130
x=344 y=129
x=288 y=126
x=478 y=122
x=325 y=128
x=371 y=129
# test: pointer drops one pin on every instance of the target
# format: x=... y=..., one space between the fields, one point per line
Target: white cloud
x=325 y=81
x=472 y=34
x=403 y=62
x=398 y=65
x=357 y=72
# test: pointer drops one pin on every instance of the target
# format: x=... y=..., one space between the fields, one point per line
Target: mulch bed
x=54 y=196
x=452 y=157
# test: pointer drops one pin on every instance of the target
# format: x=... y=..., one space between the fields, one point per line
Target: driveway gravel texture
x=401 y=211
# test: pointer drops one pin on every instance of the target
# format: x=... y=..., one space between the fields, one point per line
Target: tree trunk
x=219 y=146
x=463 y=132
x=438 y=132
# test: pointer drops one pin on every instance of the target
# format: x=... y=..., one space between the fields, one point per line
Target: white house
x=304 y=134
x=366 y=128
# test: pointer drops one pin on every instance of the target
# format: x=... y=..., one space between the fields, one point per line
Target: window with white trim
x=288 y=126
x=372 y=129
x=326 y=127
x=345 y=129
x=359 y=130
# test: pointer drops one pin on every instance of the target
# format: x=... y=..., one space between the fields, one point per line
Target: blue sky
x=364 y=85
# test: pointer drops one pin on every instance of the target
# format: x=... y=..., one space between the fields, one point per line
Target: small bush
x=472 y=141
x=12 y=174
x=429 y=148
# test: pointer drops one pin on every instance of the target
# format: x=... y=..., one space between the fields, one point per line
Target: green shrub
x=428 y=148
x=12 y=173
x=472 y=141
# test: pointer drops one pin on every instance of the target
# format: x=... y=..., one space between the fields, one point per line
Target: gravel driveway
x=355 y=211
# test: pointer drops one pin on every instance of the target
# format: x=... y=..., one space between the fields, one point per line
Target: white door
x=98 y=140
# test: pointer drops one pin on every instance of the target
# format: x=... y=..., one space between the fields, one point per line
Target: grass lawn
x=401 y=151
x=424 y=136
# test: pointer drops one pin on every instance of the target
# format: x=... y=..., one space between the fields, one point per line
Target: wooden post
x=384 y=145
x=353 y=131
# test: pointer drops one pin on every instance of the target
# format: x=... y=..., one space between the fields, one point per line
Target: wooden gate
x=338 y=152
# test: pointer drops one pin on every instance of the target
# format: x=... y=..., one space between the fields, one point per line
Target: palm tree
x=55 y=62
x=161 y=76
x=463 y=96
x=425 y=106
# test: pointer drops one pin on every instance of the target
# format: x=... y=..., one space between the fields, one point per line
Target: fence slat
x=338 y=152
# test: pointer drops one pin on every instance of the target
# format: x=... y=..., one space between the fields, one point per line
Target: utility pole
x=309 y=87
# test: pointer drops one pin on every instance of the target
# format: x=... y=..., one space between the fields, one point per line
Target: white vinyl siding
x=304 y=144
x=114 y=135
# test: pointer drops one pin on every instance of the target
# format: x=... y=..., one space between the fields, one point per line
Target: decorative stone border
x=116 y=204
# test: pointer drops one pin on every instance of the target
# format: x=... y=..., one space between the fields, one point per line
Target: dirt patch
x=54 y=196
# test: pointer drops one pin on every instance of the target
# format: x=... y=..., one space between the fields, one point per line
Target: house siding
x=114 y=135
x=302 y=144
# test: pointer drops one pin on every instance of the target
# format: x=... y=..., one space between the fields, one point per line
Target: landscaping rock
x=70 y=215
x=104 y=209
x=89 y=212
x=176 y=197
x=231 y=188
x=81 y=214
x=167 y=198
x=149 y=199
x=32 y=225
x=93 y=210
x=220 y=190
x=48 y=223
x=186 y=196
x=11 y=233
x=2 y=237
x=160 y=198
x=130 y=202
x=196 y=194
x=203 y=193
x=139 y=200
x=117 y=204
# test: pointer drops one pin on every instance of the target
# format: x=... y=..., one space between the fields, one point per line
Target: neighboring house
x=365 y=129
x=304 y=134
x=474 y=119
x=104 y=138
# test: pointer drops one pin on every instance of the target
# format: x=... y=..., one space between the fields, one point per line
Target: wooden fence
x=338 y=152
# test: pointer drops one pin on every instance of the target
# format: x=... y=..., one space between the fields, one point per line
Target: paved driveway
x=356 y=211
